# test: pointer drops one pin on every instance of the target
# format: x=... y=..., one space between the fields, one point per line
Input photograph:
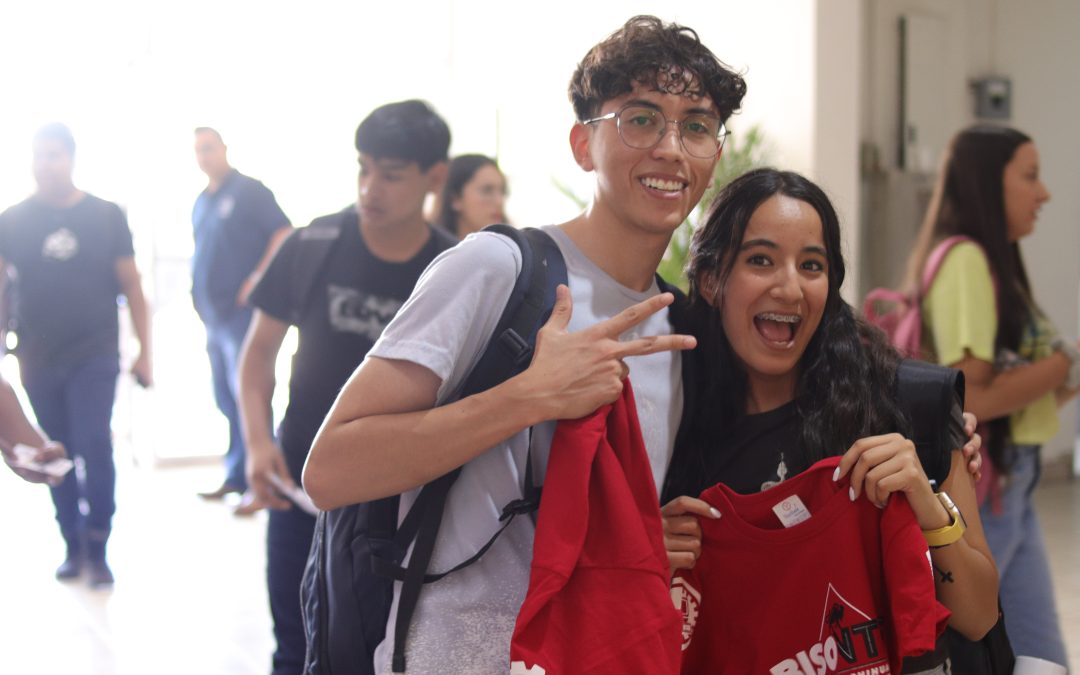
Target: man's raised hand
x=573 y=374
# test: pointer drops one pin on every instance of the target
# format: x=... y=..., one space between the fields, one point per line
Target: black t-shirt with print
x=766 y=448
x=66 y=286
x=352 y=302
x=762 y=450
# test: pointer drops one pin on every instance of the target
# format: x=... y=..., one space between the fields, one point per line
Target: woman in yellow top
x=981 y=318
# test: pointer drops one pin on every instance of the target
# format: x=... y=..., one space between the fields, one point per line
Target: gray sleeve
x=452 y=312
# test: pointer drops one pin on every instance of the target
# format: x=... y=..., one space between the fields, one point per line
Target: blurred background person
x=473 y=197
x=981 y=317
x=237 y=226
x=354 y=272
x=71 y=255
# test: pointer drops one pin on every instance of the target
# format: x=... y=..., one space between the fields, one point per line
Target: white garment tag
x=791 y=511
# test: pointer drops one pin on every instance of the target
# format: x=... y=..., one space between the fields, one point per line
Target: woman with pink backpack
x=979 y=315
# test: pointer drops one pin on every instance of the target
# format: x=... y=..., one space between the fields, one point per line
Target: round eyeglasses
x=642 y=127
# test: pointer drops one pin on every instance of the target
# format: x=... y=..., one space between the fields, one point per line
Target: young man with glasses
x=388 y=433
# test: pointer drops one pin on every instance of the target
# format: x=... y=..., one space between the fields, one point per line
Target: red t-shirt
x=845 y=588
x=598 y=599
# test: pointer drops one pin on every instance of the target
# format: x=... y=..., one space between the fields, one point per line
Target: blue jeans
x=74 y=406
x=288 y=540
x=223 y=342
x=1016 y=540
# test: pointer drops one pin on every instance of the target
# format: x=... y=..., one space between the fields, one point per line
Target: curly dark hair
x=668 y=57
x=845 y=388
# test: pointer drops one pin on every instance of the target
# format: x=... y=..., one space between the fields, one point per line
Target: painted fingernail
x=713 y=512
x=836 y=474
x=851 y=493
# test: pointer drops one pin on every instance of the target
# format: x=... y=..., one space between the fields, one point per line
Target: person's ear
x=436 y=176
x=580 y=139
x=709 y=288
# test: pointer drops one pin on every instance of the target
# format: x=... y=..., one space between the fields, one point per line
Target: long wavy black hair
x=845 y=387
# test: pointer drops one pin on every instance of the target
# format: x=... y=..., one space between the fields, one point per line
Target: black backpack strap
x=693 y=375
x=314 y=244
x=413 y=525
x=928 y=393
x=508 y=352
x=531 y=300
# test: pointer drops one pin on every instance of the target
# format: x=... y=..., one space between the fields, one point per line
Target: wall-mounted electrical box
x=993 y=97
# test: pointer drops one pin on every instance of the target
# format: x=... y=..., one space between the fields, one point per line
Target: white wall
x=837 y=93
x=1032 y=43
x=1037 y=48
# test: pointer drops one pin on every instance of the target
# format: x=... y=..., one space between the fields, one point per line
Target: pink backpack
x=902 y=322
x=902 y=316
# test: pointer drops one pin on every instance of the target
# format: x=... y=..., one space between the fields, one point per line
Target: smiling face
x=1024 y=192
x=775 y=294
x=652 y=189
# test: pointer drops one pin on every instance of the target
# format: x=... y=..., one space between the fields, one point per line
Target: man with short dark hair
x=373 y=253
x=71 y=254
x=651 y=101
x=238 y=226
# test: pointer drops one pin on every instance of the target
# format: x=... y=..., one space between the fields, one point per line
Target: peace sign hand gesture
x=573 y=374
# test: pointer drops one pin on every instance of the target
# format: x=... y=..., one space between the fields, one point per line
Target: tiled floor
x=190 y=596
x=1059 y=512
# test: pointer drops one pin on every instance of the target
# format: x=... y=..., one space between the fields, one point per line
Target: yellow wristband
x=951 y=533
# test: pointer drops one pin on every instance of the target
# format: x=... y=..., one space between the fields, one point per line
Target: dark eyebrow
x=652 y=106
x=767 y=243
x=702 y=111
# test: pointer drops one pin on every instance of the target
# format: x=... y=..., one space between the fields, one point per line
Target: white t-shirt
x=463 y=622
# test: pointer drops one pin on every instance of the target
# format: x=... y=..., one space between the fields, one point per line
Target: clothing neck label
x=791 y=511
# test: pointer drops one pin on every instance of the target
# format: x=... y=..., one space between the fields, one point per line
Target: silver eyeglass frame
x=721 y=135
